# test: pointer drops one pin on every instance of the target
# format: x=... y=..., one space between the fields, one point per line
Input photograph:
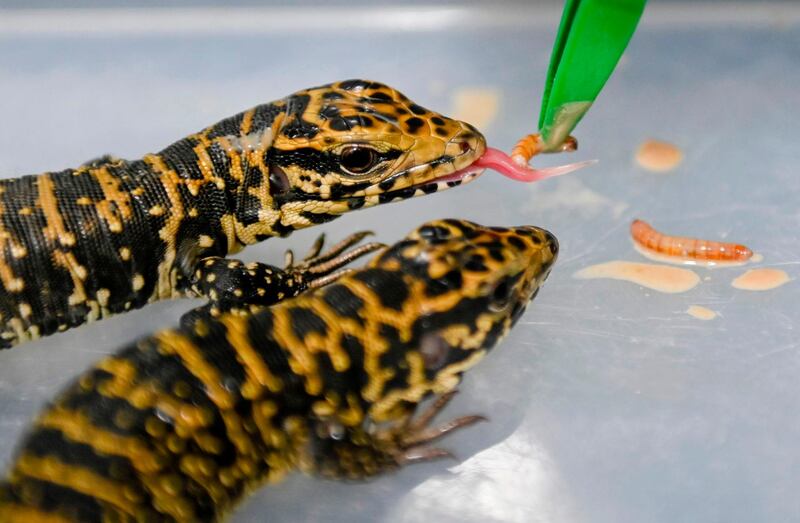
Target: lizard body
x=182 y=424
x=112 y=235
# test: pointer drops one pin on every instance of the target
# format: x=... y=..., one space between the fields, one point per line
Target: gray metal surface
x=608 y=403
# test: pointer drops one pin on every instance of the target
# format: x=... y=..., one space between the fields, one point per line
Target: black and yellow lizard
x=113 y=235
x=181 y=425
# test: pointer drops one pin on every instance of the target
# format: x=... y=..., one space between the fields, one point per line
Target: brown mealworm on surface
x=696 y=249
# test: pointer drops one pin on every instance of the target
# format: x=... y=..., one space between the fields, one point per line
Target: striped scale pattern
x=184 y=423
x=112 y=235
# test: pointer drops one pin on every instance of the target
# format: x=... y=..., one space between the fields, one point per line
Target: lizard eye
x=501 y=296
x=358 y=159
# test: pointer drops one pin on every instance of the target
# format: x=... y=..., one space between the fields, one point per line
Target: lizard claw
x=288 y=259
x=316 y=248
x=417 y=432
x=321 y=268
x=329 y=278
x=429 y=434
x=421 y=454
x=314 y=258
x=319 y=263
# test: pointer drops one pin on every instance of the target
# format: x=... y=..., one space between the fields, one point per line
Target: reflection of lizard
x=182 y=424
x=113 y=235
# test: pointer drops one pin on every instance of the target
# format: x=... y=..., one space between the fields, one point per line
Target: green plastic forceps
x=591 y=38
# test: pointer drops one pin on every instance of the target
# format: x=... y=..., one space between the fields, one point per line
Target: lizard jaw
x=453 y=179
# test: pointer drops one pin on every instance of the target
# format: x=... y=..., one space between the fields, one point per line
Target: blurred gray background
x=36 y=4
x=608 y=402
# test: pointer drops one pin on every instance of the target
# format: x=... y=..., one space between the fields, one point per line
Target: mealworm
x=687 y=248
x=529 y=146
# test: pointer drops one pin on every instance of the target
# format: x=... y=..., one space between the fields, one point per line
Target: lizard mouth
x=493 y=159
x=441 y=183
x=454 y=179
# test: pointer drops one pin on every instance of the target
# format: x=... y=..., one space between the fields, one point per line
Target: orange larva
x=687 y=248
x=529 y=146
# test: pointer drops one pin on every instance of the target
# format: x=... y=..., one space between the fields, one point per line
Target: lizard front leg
x=231 y=284
x=356 y=453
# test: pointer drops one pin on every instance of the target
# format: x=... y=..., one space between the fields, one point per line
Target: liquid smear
x=661 y=278
x=701 y=313
x=658 y=156
x=761 y=280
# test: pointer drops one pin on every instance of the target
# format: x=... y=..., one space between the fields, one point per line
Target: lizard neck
x=225 y=168
x=255 y=213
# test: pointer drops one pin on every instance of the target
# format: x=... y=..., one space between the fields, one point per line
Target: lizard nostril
x=553 y=242
x=464 y=147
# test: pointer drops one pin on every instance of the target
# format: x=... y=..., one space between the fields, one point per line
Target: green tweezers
x=591 y=38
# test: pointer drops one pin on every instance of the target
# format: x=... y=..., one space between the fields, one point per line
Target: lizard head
x=359 y=143
x=411 y=323
x=467 y=286
x=439 y=300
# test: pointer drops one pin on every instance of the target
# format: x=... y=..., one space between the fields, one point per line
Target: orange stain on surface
x=658 y=156
x=761 y=280
x=477 y=106
x=701 y=313
x=661 y=278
